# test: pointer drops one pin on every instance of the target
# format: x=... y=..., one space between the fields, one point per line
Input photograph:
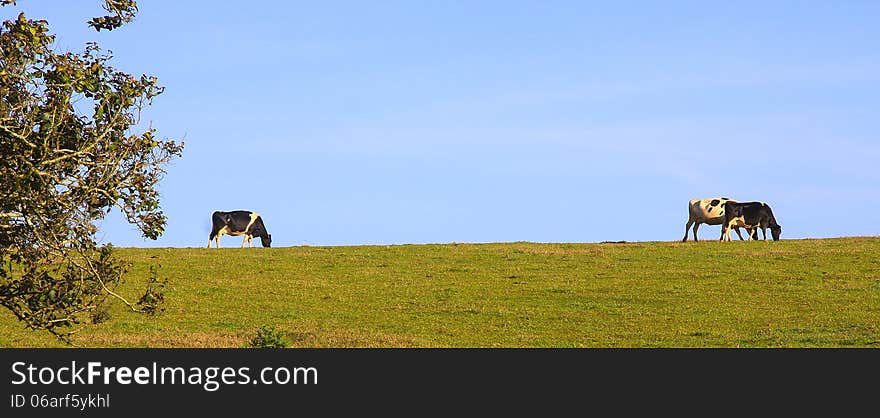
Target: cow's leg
x=736 y=228
x=214 y=233
x=696 y=227
x=725 y=232
x=687 y=230
x=244 y=241
x=214 y=237
x=250 y=241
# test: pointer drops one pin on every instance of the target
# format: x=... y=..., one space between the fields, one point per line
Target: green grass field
x=791 y=293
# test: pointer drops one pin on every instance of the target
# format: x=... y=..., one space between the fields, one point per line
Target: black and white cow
x=239 y=222
x=749 y=215
x=706 y=211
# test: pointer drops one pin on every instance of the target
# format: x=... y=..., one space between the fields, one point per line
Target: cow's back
x=709 y=211
x=234 y=222
x=748 y=213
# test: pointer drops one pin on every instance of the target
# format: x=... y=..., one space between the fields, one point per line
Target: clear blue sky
x=347 y=123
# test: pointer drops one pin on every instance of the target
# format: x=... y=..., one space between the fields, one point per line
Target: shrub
x=268 y=337
x=100 y=315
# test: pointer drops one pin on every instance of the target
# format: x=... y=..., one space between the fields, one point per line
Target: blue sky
x=348 y=123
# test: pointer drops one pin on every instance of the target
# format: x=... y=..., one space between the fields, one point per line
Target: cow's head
x=266 y=240
x=776 y=231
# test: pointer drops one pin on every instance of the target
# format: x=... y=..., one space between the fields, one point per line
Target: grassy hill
x=791 y=293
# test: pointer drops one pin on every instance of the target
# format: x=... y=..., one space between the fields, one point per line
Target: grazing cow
x=239 y=222
x=706 y=211
x=749 y=215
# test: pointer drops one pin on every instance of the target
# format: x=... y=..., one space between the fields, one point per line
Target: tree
x=69 y=156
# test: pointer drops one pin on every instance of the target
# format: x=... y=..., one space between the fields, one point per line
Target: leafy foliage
x=121 y=12
x=268 y=337
x=69 y=156
x=151 y=301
